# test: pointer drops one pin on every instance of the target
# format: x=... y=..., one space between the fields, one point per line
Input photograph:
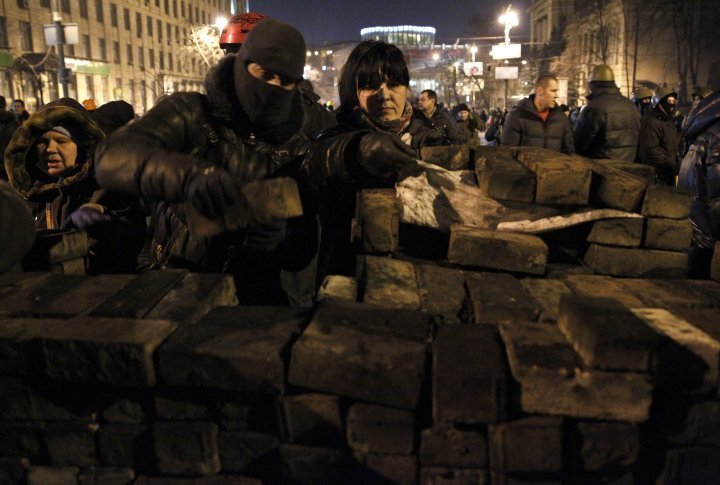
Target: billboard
x=505 y=51
x=473 y=68
x=507 y=72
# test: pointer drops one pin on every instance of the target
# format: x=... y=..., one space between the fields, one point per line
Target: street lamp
x=221 y=22
x=510 y=20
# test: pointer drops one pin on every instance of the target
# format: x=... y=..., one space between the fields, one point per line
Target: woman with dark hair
x=375 y=141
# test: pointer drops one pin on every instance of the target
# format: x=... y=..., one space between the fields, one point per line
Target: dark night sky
x=341 y=20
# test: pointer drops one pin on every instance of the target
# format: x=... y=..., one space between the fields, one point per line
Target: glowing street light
x=510 y=20
x=473 y=51
x=221 y=22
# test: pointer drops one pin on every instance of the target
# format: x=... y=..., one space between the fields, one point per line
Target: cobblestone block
x=688 y=357
x=379 y=468
x=180 y=408
x=33 y=297
x=370 y=354
x=22 y=401
x=470 y=375
x=114 y=351
x=390 y=283
x=499 y=297
x=669 y=294
x=637 y=263
x=617 y=232
x=186 y=448
x=522 y=253
x=547 y=293
x=645 y=172
x=378 y=212
x=456 y=157
x=311 y=419
x=715 y=263
x=507 y=179
x=560 y=182
x=442 y=292
x=601 y=287
x=106 y=476
x=71 y=267
x=668 y=234
x=246 y=451
x=50 y=475
x=444 y=445
x=608 y=445
x=378 y=429
x=435 y=475
x=699 y=424
x=614 y=188
x=140 y=296
x=311 y=465
x=21 y=438
x=665 y=201
x=607 y=335
x=124 y=445
x=71 y=443
x=13 y=283
x=337 y=287
x=15 y=333
x=705 y=319
x=526 y=445
x=211 y=480
x=82 y=295
x=232 y=348
x=56 y=246
x=125 y=411
x=552 y=381
x=194 y=296
x=481 y=154
x=13 y=469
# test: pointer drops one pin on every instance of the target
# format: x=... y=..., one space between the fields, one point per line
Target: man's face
x=18 y=108
x=385 y=103
x=546 y=96
x=257 y=71
x=55 y=152
x=426 y=103
x=464 y=115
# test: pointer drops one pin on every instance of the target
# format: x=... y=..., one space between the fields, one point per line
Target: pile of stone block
x=59 y=251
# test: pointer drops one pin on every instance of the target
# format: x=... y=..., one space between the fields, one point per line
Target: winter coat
x=116 y=243
x=608 y=126
x=155 y=156
x=442 y=121
x=113 y=115
x=700 y=170
x=17 y=227
x=659 y=145
x=524 y=127
x=8 y=124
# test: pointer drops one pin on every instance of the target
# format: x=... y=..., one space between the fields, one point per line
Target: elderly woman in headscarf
x=50 y=162
x=375 y=141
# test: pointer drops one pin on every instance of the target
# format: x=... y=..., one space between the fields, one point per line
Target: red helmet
x=233 y=35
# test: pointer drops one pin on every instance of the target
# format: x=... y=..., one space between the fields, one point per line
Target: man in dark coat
x=536 y=121
x=659 y=141
x=191 y=153
x=609 y=125
x=437 y=118
x=17 y=228
x=700 y=175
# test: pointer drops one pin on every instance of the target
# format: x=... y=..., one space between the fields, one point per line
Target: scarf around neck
x=395 y=126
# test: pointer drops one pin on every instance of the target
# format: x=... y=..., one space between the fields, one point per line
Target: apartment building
x=134 y=50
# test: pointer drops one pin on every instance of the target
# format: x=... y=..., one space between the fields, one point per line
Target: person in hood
x=609 y=124
x=50 y=162
x=659 y=140
x=538 y=122
x=191 y=153
x=700 y=175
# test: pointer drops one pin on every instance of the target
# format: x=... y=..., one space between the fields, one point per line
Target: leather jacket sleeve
x=587 y=127
x=332 y=158
x=152 y=157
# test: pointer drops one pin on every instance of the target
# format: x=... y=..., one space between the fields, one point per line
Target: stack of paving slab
x=491 y=365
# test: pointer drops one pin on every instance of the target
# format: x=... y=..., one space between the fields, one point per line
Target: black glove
x=212 y=190
x=383 y=155
x=430 y=138
x=86 y=216
x=266 y=237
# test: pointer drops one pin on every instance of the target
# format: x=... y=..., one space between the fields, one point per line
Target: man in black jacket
x=700 y=175
x=659 y=141
x=437 y=118
x=191 y=152
x=536 y=121
x=609 y=125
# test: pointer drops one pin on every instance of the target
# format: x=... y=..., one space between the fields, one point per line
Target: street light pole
x=60 y=39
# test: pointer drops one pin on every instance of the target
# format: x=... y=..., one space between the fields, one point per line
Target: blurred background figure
x=18 y=107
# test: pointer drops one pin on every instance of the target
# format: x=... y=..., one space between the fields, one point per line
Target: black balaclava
x=276 y=47
x=667 y=108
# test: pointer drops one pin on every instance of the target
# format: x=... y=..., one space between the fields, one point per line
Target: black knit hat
x=276 y=46
x=462 y=107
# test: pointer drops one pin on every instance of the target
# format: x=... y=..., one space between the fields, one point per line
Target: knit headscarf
x=394 y=126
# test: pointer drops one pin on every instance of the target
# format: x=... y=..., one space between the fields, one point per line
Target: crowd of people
x=179 y=168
